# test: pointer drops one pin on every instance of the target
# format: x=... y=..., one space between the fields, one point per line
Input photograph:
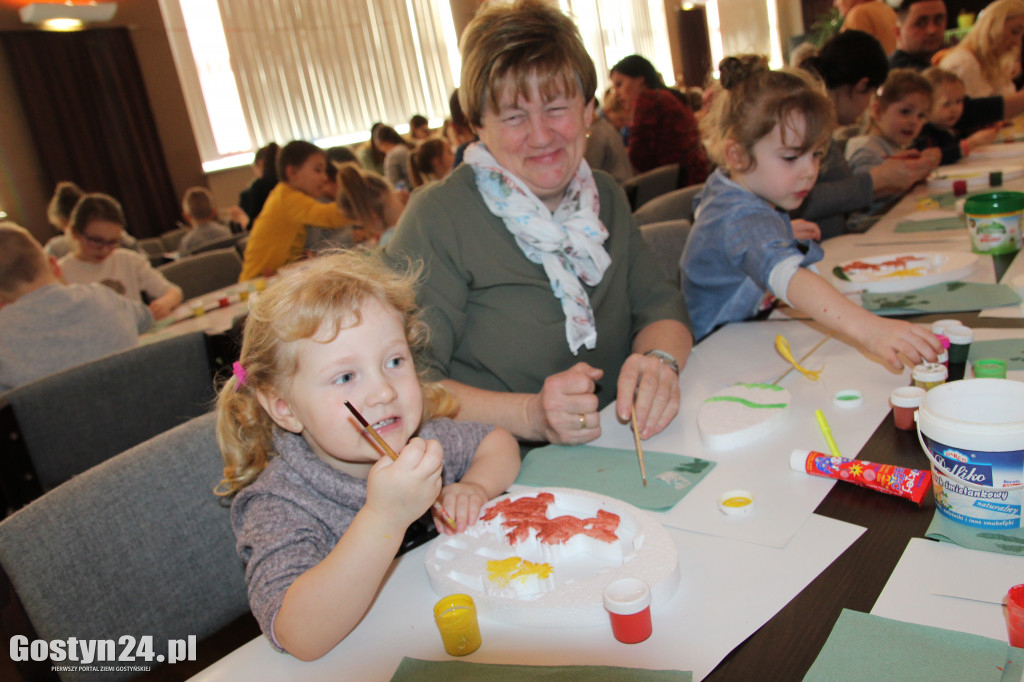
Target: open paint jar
x=994 y=221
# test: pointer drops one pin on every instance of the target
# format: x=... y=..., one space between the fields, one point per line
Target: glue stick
x=912 y=484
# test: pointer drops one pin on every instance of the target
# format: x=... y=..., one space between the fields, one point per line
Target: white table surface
x=736 y=573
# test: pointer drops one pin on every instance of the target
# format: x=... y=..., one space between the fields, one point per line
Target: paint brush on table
x=393 y=455
x=639 y=448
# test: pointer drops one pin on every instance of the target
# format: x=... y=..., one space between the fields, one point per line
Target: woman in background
x=663 y=129
x=988 y=59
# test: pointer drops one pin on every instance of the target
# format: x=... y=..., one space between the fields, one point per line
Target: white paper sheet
x=728 y=590
x=784 y=498
x=910 y=593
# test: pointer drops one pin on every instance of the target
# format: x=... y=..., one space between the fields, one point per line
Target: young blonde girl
x=370 y=202
x=318 y=513
x=767 y=131
x=898 y=112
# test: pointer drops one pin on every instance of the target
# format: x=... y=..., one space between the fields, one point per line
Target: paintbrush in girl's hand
x=393 y=455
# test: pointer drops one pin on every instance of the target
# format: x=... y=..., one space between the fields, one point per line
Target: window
x=320 y=70
x=613 y=29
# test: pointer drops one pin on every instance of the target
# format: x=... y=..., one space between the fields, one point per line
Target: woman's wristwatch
x=664 y=358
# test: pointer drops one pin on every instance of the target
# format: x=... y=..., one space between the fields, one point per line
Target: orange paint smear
x=526 y=513
x=898 y=262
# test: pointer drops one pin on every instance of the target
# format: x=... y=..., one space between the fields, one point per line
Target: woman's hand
x=405 y=488
x=653 y=387
x=565 y=410
x=462 y=501
x=805 y=229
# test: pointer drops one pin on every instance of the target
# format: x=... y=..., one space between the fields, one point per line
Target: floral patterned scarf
x=569 y=244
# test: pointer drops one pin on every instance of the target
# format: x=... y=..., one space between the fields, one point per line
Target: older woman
x=544 y=305
x=988 y=59
x=662 y=129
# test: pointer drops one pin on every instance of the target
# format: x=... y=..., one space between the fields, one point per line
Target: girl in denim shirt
x=767 y=131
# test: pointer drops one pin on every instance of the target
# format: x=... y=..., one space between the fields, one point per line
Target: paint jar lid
x=990 y=368
x=994 y=203
x=627 y=596
x=848 y=399
x=930 y=372
x=736 y=502
x=939 y=326
x=959 y=334
x=907 y=396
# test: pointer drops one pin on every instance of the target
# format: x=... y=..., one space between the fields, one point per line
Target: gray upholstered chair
x=204 y=272
x=138 y=545
x=670 y=206
x=172 y=238
x=153 y=248
x=227 y=242
x=643 y=187
x=63 y=424
x=667 y=240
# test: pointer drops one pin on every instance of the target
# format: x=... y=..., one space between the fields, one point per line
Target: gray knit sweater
x=294 y=514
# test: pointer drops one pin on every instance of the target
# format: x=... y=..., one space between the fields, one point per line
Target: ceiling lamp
x=55 y=16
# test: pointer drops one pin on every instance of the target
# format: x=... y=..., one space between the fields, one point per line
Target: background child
x=47 y=326
x=319 y=514
x=430 y=162
x=371 y=202
x=278 y=234
x=939 y=131
x=200 y=211
x=767 y=131
x=97 y=226
x=898 y=111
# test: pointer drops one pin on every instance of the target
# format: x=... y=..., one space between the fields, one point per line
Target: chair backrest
x=65 y=423
x=204 y=272
x=172 y=238
x=154 y=249
x=667 y=240
x=138 y=545
x=671 y=206
x=643 y=187
x=227 y=242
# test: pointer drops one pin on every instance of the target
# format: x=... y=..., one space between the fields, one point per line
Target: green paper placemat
x=944 y=199
x=1010 y=350
x=415 y=669
x=948 y=297
x=954 y=222
x=866 y=647
x=1000 y=541
x=614 y=472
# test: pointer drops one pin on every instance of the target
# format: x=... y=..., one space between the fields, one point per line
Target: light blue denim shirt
x=736 y=241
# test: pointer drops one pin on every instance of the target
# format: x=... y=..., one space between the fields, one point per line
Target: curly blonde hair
x=324 y=295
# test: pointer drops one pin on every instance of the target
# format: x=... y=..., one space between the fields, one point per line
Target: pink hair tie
x=239 y=373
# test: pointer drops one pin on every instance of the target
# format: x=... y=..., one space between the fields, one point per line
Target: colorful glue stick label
x=912 y=484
